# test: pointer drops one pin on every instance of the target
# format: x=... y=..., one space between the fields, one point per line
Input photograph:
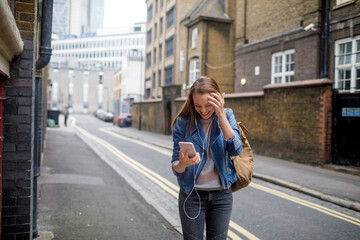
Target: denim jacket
x=218 y=147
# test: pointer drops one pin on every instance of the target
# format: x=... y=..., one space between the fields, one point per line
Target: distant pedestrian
x=205 y=180
x=66 y=115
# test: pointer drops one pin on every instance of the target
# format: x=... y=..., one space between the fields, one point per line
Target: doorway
x=167 y=118
x=346 y=129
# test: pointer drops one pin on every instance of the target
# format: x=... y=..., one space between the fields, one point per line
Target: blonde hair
x=202 y=85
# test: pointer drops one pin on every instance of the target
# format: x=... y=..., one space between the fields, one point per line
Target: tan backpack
x=244 y=162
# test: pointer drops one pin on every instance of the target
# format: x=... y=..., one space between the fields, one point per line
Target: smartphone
x=188 y=146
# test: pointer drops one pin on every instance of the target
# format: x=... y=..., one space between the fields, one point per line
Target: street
x=261 y=211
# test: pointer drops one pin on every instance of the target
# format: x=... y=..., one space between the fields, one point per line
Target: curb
x=328 y=198
x=343 y=169
x=338 y=201
x=170 y=219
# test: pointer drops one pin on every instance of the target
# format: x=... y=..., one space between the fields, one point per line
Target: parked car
x=108 y=117
x=123 y=120
x=103 y=115
x=98 y=113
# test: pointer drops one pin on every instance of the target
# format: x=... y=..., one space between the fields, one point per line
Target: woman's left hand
x=218 y=101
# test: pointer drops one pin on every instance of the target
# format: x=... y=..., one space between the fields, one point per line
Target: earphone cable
x=194 y=174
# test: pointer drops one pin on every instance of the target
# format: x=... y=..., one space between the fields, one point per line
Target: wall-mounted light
x=243 y=81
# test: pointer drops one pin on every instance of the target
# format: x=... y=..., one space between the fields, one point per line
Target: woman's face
x=202 y=106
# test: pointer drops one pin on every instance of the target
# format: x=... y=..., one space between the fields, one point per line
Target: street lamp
x=141 y=59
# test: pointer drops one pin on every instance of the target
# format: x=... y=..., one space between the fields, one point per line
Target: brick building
x=186 y=39
x=25 y=50
x=207 y=41
x=296 y=43
x=290 y=70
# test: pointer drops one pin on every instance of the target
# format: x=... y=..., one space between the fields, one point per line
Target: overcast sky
x=124 y=12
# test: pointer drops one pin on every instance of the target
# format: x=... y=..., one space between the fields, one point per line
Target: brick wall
x=273 y=20
x=291 y=121
x=152 y=115
x=305 y=44
x=17 y=114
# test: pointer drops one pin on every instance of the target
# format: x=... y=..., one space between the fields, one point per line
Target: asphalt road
x=82 y=198
x=261 y=211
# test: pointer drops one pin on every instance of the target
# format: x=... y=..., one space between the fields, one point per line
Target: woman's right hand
x=185 y=161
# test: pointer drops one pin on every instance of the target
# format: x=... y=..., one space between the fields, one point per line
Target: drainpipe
x=322 y=39
x=327 y=33
x=206 y=47
x=41 y=62
x=324 y=45
x=45 y=41
x=1 y=141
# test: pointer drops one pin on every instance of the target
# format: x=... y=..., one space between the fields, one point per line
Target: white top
x=209 y=178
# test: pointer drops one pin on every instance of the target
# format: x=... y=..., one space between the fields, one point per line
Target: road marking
x=314 y=206
x=167 y=153
x=166 y=185
x=151 y=146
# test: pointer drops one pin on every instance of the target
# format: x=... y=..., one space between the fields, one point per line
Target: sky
x=124 y=12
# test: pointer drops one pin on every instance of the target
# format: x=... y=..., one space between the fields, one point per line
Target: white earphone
x=202 y=156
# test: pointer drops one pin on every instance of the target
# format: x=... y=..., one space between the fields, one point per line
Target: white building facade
x=128 y=84
x=82 y=69
x=99 y=51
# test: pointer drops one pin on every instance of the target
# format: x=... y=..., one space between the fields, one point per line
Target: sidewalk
x=81 y=197
x=335 y=184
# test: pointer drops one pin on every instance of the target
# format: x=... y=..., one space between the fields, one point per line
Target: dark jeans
x=215 y=210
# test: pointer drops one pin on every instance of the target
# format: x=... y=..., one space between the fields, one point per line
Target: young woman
x=205 y=179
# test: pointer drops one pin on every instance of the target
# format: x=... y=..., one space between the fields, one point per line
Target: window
x=181 y=60
x=161 y=3
x=147 y=88
x=347 y=65
x=282 y=67
x=156 y=5
x=169 y=46
x=159 y=78
x=154 y=55
x=170 y=17
x=148 y=60
x=160 y=52
x=149 y=13
x=194 y=70
x=194 y=36
x=153 y=80
x=168 y=75
x=161 y=26
x=155 y=31
x=149 y=36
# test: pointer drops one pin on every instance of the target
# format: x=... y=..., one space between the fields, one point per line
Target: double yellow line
x=166 y=185
x=305 y=203
x=308 y=204
x=173 y=189
x=233 y=225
